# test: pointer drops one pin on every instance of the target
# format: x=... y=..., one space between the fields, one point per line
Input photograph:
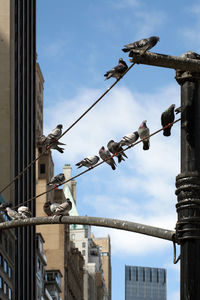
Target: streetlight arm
x=166 y=61
x=103 y=222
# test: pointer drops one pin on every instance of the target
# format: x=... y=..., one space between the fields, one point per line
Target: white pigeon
x=24 y=212
x=13 y=214
x=88 y=161
x=129 y=138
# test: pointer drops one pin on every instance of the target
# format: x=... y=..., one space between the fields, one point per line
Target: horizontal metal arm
x=103 y=222
x=166 y=61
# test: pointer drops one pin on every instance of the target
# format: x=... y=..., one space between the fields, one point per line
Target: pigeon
x=143 y=132
x=58 y=179
x=166 y=118
x=61 y=209
x=129 y=138
x=191 y=54
x=106 y=156
x=115 y=147
x=46 y=208
x=13 y=214
x=24 y=212
x=88 y=162
x=142 y=45
x=55 y=133
x=44 y=141
x=117 y=71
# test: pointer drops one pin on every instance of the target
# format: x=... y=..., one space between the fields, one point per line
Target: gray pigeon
x=117 y=71
x=142 y=45
x=13 y=214
x=88 y=161
x=191 y=54
x=58 y=179
x=129 y=138
x=55 y=133
x=61 y=209
x=46 y=208
x=166 y=118
x=44 y=141
x=106 y=156
x=114 y=148
x=24 y=212
x=143 y=132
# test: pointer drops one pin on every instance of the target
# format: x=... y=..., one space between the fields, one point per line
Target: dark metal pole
x=188 y=186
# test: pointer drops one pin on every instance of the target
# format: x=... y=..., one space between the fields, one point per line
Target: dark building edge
x=24 y=139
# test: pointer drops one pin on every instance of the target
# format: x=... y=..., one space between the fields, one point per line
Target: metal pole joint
x=188 y=206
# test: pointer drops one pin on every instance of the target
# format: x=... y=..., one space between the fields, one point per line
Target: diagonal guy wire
x=31 y=163
x=89 y=169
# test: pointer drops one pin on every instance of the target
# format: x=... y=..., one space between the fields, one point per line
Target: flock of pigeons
x=50 y=209
x=113 y=148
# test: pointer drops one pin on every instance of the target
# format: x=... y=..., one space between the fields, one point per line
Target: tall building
x=105 y=251
x=144 y=283
x=17 y=121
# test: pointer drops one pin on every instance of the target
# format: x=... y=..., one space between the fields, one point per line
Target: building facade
x=105 y=252
x=144 y=283
x=17 y=121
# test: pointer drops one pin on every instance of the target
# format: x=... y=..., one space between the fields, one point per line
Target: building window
x=129 y=273
x=5 y=266
x=1 y=282
x=1 y=260
x=5 y=288
x=42 y=168
x=10 y=249
x=9 y=293
x=83 y=245
x=9 y=272
x=73 y=236
x=104 y=253
x=40 y=149
x=143 y=274
x=83 y=252
x=6 y=243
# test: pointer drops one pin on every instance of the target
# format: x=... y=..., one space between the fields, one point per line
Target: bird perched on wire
x=44 y=141
x=58 y=179
x=24 y=212
x=13 y=214
x=117 y=71
x=166 y=118
x=129 y=138
x=88 y=162
x=114 y=148
x=106 y=156
x=55 y=133
x=141 y=45
x=144 y=132
x=57 y=209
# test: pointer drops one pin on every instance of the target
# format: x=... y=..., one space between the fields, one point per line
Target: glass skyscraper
x=144 y=283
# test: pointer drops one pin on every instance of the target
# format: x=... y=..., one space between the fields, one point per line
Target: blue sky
x=77 y=42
